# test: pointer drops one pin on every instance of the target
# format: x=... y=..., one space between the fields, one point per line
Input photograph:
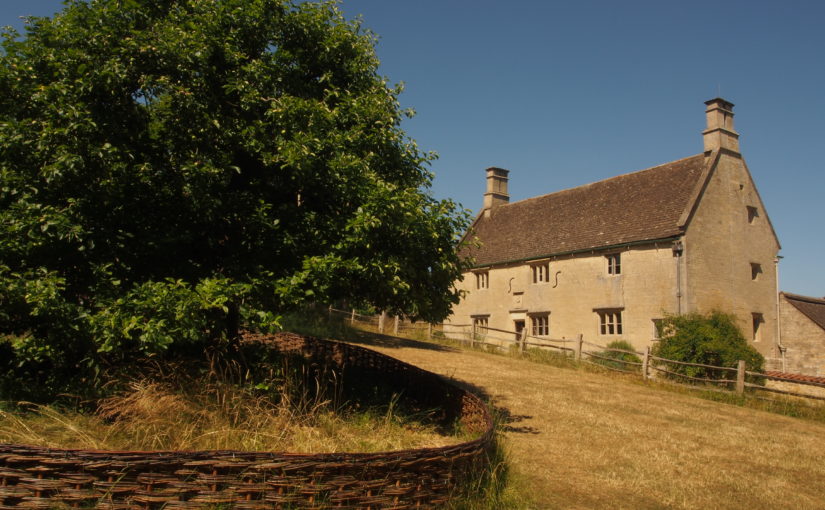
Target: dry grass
x=209 y=413
x=583 y=439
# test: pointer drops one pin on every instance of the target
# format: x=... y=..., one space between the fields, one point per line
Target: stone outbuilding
x=609 y=259
x=802 y=339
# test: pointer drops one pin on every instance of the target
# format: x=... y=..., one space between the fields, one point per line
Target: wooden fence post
x=579 y=340
x=523 y=340
x=381 y=319
x=473 y=336
x=430 y=331
x=329 y=312
x=395 y=327
x=645 y=363
x=352 y=317
x=740 y=377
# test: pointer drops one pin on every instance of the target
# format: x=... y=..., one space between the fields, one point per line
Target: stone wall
x=804 y=342
x=578 y=285
x=723 y=239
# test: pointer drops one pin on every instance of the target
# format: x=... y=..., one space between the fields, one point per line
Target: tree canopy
x=172 y=168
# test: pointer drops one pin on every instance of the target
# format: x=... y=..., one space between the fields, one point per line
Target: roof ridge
x=608 y=179
x=800 y=297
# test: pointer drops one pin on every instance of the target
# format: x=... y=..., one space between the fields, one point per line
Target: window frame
x=614 y=264
x=540 y=272
x=539 y=324
x=611 y=322
x=657 y=323
x=757 y=321
x=753 y=214
x=756 y=270
x=482 y=280
x=481 y=323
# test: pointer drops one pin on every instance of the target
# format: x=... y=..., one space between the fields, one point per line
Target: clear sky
x=563 y=93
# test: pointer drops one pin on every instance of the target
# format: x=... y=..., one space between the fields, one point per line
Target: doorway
x=519 y=327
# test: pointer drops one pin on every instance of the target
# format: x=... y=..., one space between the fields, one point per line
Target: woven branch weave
x=37 y=477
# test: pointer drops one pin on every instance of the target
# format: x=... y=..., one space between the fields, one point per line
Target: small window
x=657 y=328
x=541 y=273
x=482 y=280
x=753 y=214
x=758 y=321
x=540 y=324
x=756 y=270
x=480 y=324
x=610 y=322
x=614 y=263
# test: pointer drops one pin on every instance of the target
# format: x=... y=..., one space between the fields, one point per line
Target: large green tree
x=170 y=169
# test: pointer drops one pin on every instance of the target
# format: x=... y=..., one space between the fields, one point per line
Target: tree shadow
x=508 y=421
x=382 y=340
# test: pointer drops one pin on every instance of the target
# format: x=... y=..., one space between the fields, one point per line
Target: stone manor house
x=609 y=259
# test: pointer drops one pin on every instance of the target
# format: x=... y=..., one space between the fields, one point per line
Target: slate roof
x=813 y=308
x=640 y=206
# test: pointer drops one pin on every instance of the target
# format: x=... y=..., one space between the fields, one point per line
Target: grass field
x=571 y=437
x=583 y=439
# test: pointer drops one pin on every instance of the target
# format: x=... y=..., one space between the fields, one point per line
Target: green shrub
x=711 y=339
x=617 y=359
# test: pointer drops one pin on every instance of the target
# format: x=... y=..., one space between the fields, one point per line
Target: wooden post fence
x=381 y=319
x=352 y=317
x=645 y=363
x=579 y=340
x=430 y=331
x=522 y=340
x=740 y=377
x=395 y=326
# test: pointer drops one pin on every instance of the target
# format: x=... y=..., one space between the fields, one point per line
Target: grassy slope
x=586 y=440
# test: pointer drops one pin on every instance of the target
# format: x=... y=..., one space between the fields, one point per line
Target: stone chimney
x=720 y=133
x=496 y=194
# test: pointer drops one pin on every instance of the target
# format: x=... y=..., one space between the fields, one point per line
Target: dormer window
x=753 y=214
x=614 y=263
x=541 y=272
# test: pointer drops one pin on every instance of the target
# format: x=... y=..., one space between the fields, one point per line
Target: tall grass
x=223 y=407
x=495 y=486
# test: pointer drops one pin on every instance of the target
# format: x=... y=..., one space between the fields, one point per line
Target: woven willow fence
x=35 y=477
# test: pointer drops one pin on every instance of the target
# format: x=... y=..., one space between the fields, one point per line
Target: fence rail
x=620 y=360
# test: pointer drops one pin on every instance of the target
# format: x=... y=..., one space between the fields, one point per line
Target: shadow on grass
x=319 y=325
x=369 y=338
x=508 y=422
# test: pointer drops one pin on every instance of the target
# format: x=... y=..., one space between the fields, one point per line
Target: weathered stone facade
x=578 y=289
x=606 y=260
x=731 y=254
x=803 y=334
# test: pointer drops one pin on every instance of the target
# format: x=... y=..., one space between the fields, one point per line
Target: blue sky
x=566 y=93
